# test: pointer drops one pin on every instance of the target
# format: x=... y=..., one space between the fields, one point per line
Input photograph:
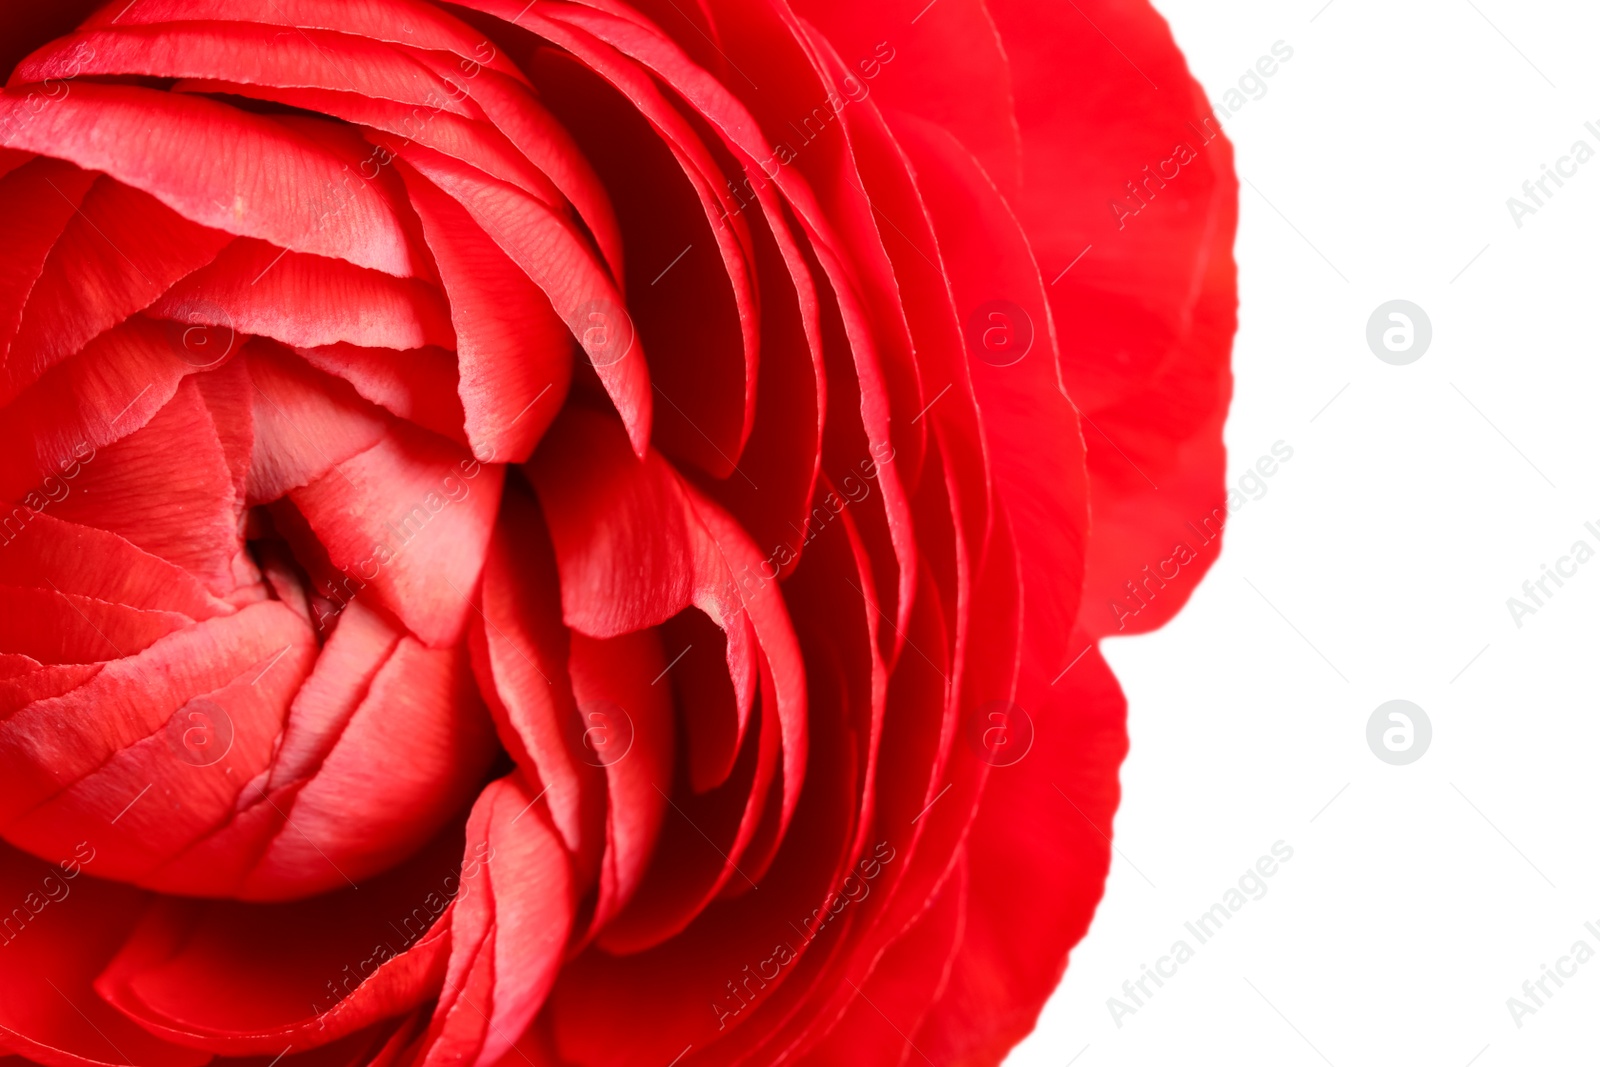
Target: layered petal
x=519 y=516
x=221 y=168
x=249 y=979
x=63 y=929
x=509 y=926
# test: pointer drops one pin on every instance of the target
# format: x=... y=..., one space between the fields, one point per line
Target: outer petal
x=945 y=64
x=409 y=22
x=903 y=988
x=1148 y=314
x=248 y=979
x=1064 y=792
x=1036 y=447
x=240 y=51
x=70 y=926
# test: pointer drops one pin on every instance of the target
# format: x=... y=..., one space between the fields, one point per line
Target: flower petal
x=1065 y=791
x=520 y=651
x=245 y=979
x=608 y=676
x=406 y=22
x=509 y=928
x=47 y=552
x=556 y=258
x=129 y=486
x=83 y=761
x=1153 y=304
x=74 y=925
x=121 y=251
x=1036 y=447
x=242 y=52
x=223 y=168
x=305 y=301
x=514 y=353
x=54 y=627
x=902 y=988
x=406 y=759
x=690 y=289
x=37 y=202
x=409 y=516
x=306 y=422
x=420 y=385
x=117 y=384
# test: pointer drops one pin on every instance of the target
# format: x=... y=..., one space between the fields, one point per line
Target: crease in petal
x=37 y=202
x=305 y=301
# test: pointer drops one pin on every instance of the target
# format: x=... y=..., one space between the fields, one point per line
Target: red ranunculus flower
x=575 y=532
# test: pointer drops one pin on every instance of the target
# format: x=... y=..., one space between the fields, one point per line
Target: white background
x=1377 y=566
